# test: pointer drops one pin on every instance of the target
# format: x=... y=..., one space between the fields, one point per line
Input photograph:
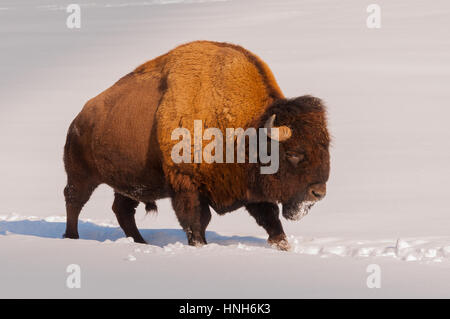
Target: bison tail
x=151 y=207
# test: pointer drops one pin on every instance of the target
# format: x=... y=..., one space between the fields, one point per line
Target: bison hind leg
x=77 y=193
x=125 y=208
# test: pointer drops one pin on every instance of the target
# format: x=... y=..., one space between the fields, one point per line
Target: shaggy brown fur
x=122 y=138
x=229 y=90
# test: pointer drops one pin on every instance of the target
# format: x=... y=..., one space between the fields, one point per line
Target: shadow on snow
x=91 y=231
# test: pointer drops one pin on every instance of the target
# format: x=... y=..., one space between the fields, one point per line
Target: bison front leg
x=267 y=216
x=193 y=214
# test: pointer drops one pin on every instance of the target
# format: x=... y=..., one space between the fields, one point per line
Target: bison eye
x=294 y=159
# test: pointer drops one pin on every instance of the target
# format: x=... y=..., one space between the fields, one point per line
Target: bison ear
x=284 y=132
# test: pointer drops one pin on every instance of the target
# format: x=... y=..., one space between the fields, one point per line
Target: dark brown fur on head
x=303 y=158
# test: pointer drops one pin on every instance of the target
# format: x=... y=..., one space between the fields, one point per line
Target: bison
x=122 y=138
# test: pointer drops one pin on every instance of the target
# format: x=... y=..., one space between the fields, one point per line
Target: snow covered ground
x=387 y=94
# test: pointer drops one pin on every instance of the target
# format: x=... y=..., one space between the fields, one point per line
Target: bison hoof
x=280 y=243
x=70 y=236
x=196 y=243
x=139 y=240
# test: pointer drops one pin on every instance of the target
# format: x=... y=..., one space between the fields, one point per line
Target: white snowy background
x=387 y=92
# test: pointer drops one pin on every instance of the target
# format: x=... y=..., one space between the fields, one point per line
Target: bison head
x=303 y=154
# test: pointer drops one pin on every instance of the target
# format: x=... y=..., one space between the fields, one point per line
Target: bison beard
x=122 y=138
x=296 y=211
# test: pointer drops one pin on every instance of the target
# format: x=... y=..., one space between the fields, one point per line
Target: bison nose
x=318 y=191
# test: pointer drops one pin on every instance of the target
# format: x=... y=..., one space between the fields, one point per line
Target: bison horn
x=284 y=132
